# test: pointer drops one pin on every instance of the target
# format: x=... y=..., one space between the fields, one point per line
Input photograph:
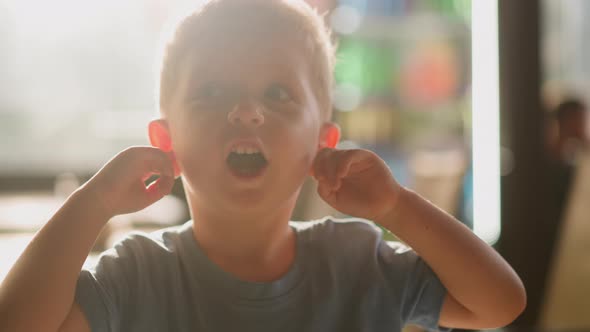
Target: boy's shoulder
x=345 y=236
x=349 y=245
x=164 y=241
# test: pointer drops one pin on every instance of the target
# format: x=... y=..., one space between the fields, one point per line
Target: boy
x=245 y=104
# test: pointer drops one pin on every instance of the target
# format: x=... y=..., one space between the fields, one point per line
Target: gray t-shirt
x=344 y=278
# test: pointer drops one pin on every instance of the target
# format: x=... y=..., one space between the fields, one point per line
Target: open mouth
x=246 y=162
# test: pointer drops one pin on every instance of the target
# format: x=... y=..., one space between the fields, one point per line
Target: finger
x=158 y=189
x=324 y=171
x=335 y=165
x=325 y=192
x=318 y=167
x=347 y=159
x=332 y=165
x=159 y=162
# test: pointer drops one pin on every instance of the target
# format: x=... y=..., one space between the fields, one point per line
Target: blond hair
x=296 y=15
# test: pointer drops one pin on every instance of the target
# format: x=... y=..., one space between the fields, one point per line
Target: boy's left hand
x=355 y=182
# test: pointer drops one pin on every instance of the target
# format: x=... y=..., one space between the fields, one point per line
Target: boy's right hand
x=119 y=187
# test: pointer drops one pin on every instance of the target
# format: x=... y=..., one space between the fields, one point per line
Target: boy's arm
x=483 y=290
x=75 y=321
x=38 y=292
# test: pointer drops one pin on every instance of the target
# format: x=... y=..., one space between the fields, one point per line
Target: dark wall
x=529 y=220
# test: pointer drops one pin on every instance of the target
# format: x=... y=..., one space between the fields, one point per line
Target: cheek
x=299 y=148
x=194 y=142
x=194 y=126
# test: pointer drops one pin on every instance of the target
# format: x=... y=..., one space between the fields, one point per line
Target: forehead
x=280 y=54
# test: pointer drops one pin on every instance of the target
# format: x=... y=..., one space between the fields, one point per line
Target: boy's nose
x=246 y=114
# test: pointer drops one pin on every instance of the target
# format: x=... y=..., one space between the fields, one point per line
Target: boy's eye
x=211 y=91
x=277 y=93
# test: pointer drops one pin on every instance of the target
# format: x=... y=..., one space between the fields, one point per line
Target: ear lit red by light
x=332 y=138
x=159 y=136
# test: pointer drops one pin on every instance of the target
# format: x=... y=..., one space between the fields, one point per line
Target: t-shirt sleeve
x=104 y=292
x=423 y=293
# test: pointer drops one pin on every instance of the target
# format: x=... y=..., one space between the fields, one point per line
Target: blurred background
x=480 y=106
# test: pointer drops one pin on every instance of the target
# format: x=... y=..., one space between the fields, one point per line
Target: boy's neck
x=256 y=249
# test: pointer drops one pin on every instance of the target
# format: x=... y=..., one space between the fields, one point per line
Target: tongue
x=246 y=164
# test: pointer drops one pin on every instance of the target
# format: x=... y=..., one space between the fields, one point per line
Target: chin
x=257 y=201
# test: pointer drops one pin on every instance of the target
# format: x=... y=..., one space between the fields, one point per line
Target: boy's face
x=245 y=124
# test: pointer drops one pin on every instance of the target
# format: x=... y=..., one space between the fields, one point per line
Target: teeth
x=245 y=150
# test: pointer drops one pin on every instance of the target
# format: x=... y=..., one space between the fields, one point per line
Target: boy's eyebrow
x=199 y=72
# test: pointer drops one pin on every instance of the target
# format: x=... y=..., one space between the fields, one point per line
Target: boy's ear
x=329 y=135
x=159 y=135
